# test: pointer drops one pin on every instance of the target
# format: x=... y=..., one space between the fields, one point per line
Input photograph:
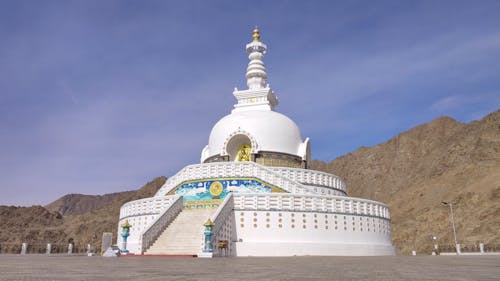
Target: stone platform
x=39 y=267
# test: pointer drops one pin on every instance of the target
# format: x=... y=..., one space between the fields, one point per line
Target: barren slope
x=39 y=225
x=76 y=204
x=443 y=160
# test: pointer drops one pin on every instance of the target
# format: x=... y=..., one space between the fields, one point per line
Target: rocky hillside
x=47 y=225
x=76 y=204
x=415 y=171
x=33 y=224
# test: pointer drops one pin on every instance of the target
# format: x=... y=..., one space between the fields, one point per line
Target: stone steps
x=184 y=236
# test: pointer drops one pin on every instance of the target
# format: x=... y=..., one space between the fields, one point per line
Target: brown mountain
x=47 y=225
x=76 y=204
x=443 y=160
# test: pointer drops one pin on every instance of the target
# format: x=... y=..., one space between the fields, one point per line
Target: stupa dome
x=262 y=130
x=254 y=131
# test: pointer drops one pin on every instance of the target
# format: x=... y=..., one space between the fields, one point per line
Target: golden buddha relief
x=244 y=153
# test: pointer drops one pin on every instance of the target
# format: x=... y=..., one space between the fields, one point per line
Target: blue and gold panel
x=210 y=193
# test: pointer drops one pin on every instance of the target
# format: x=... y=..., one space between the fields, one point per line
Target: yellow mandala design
x=216 y=189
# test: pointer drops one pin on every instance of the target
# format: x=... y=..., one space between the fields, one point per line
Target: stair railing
x=223 y=229
x=156 y=227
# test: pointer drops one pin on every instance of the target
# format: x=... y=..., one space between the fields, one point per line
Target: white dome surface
x=268 y=131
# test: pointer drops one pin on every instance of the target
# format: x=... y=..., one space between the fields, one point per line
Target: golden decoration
x=244 y=153
x=202 y=204
x=256 y=35
x=126 y=224
x=209 y=223
x=216 y=189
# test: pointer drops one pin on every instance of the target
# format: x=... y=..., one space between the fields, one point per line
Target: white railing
x=156 y=227
x=232 y=169
x=222 y=220
x=146 y=206
x=310 y=203
x=312 y=177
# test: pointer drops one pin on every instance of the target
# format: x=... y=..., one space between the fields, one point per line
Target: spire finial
x=256 y=35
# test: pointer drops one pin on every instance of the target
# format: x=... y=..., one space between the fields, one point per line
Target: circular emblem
x=216 y=189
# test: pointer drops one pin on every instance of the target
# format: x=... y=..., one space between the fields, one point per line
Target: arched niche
x=235 y=144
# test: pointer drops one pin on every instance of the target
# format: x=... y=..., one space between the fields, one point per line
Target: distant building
x=255 y=184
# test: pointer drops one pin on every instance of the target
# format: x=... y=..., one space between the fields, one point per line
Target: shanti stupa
x=254 y=183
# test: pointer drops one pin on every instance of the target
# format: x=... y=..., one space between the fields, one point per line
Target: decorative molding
x=253 y=142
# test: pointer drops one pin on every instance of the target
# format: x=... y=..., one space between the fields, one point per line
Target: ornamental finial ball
x=256 y=35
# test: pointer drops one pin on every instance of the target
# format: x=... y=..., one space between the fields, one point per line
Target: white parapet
x=293 y=180
x=141 y=213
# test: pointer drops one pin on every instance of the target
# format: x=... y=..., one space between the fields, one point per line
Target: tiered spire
x=258 y=95
x=256 y=71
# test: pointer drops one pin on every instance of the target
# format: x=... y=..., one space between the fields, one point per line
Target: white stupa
x=254 y=184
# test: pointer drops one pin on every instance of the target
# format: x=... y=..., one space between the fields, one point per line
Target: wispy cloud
x=101 y=96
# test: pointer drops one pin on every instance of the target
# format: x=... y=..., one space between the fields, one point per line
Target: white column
x=24 y=247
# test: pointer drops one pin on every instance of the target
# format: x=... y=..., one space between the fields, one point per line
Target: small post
x=125 y=233
x=70 y=249
x=89 y=249
x=413 y=253
x=208 y=236
x=481 y=248
x=459 y=251
x=24 y=248
x=107 y=240
x=49 y=249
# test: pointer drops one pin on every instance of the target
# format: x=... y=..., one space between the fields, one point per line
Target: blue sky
x=102 y=96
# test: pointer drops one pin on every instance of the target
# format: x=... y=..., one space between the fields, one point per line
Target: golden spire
x=256 y=35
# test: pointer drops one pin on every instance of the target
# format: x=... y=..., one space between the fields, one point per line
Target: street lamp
x=452 y=223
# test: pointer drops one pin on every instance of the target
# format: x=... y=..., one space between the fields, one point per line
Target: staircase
x=184 y=236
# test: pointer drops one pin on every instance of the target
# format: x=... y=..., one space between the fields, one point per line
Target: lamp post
x=208 y=236
x=452 y=223
x=125 y=233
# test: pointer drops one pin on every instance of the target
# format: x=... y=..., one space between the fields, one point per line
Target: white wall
x=279 y=233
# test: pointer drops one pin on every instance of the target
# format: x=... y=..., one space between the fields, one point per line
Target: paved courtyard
x=38 y=267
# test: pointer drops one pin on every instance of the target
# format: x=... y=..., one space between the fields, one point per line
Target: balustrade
x=222 y=220
x=156 y=227
x=310 y=203
x=233 y=169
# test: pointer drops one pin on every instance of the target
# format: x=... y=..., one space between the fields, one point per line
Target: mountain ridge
x=412 y=172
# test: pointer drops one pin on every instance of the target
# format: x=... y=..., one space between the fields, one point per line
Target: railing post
x=70 y=249
x=24 y=248
x=481 y=248
x=49 y=249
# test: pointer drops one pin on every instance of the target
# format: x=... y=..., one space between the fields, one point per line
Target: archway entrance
x=239 y=148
